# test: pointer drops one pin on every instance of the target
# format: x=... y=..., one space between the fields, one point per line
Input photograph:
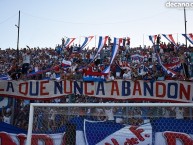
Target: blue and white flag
x=108 y=133
x=115 y=48
x=101 y=44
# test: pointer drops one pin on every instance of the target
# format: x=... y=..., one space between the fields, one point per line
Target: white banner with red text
x=174 y=91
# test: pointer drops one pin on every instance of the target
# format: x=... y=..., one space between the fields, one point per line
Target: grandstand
x=93 y=94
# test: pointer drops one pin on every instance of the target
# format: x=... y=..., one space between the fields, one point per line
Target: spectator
x=127 y=74
x=51 y=118
x=26 y=62
x=53 y=75
x=179 y=111
x=119 y=115
x=14 y=71
x=110 y=77
x=62 y=74
x=109 y=112
x=6 y=114
x=77 y=75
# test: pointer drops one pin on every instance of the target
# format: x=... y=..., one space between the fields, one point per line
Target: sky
x=43 y=23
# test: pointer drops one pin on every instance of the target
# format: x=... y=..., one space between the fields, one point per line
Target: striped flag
x=152 y=38
x=86 y=41
x=189 y=37
x=115 y=48
x=123 y=64
x=165 y=69
x=102 y=42
x=69 y=42
x=170 y=38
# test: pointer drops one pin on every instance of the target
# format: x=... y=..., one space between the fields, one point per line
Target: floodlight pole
x=185 y=25
x=18 y=29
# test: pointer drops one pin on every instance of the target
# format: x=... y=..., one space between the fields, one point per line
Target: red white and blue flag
x=123 y=64
x=86 y=41
x=152 y=38
x=137 y=57
x=189 y=37
x=170 y=38
x=165 y=69
x=66 y=63
x=174 y=66
x=68 y=42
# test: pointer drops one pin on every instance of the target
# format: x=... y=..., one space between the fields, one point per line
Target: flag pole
x=95 y=41
x=79 y=40
x=143 y=41
x=177 y=38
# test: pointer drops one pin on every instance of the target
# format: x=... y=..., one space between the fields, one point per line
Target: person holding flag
x=183 y=64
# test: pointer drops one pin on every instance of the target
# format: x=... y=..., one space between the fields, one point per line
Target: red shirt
x=56 y=68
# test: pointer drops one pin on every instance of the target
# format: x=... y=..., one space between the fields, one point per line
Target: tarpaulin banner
x=176 y=91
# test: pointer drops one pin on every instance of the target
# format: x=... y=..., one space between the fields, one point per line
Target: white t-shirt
x=127 y=75
x=26 y=58
x=91 y=56
x=154 y=58
x=53 y=76
x=36 y=68
x=109 y=114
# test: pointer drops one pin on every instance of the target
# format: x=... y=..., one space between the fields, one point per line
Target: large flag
x=68 y=42
x=189 y=37
x=86 y=41
x=116 y=44
x=163 y=131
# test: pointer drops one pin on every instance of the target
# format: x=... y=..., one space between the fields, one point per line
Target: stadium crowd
x=72 y=63
x=140 y=63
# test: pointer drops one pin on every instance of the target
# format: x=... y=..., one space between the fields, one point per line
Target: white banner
x=176 y=91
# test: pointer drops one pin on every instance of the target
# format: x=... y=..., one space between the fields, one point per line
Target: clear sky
x=45 y=22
